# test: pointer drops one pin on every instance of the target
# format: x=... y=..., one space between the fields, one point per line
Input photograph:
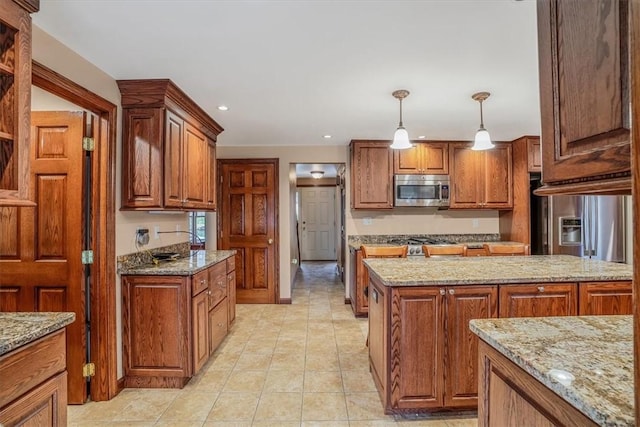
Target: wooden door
x=497 y=175
x=417 y=345
x=584 y=88
x=317 y=223
x=465 y=177
x=543 y=300
x=371 y=175
x=605 y=298
x=465 y=303
x=41 y=247
x=248 y=223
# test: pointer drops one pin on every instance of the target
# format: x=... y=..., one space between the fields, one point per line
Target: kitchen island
x=423 y=357
x=558 y=370
x=33 y=367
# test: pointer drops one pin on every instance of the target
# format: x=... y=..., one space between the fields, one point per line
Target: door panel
x=43 y=271
x=317 y=223
x=248 y=223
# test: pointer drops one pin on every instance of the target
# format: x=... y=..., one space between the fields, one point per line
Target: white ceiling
x=292 y=71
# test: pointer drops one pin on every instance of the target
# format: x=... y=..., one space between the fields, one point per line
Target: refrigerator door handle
x=594 y=230
x=585 y=226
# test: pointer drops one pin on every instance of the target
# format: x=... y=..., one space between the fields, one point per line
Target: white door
x=317 y=223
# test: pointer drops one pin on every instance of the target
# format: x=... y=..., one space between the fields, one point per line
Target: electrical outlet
x=156 y=231
x=142 y=236
x=367 y=221
x=475 y=223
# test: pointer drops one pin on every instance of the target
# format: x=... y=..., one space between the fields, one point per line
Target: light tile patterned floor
x=302 y=365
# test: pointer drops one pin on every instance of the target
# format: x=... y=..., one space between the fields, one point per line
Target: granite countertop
x=186 y=266
x=470 y=244
x=18 y=329
x=419 y=271
x=603 y=385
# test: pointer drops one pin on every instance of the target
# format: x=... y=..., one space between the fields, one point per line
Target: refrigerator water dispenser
x=570 y=231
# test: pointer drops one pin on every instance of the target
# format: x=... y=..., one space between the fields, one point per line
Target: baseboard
x=120 y=385
x=285 y=301
x=347 y=300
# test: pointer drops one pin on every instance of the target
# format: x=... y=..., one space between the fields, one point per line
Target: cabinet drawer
x=217 y=284
x=218 y=321
x=25 y=368
x=199 y=282
x=231 y=263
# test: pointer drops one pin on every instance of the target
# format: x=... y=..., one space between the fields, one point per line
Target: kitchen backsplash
x=146 y=256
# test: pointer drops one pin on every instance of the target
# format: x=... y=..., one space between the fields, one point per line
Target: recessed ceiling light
x=421 y=137
x=326 y=136
x=223 y=107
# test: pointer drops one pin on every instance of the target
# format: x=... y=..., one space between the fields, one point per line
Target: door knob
x=270 y=241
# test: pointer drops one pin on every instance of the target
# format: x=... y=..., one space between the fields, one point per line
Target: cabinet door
x=417 y=346
x=211 y=175
x=218 y=324
x=408 y=161
x=378 y=332
x=465 y=303
x=360 y=277
x=173 y=162
x=435 y=158
x=605 y=298
x=44 y=405
x=371 y=175
x=497 y=176
x=217 y=283
x=195 y=175
x=534 y=155
x=142 y=158
x=465 y=176
x=584 y=89
x=200 y=330
x=543 y=300
x=231 y=296
x=156 y=338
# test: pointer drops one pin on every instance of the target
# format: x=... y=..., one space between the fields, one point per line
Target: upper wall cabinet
x=15 y=100
x=371 y=175
x=584 y=96
x=481 y=179
x=168 y=148
x=425 y=158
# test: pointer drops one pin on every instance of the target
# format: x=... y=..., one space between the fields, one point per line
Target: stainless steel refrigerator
x=587 y=226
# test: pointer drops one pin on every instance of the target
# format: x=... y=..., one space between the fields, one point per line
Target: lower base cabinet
x=605 y=298
x=34 y=384
x=509 y=396
x=172 y=324
x=358 y=280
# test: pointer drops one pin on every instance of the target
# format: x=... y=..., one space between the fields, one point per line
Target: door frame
x=102 y=305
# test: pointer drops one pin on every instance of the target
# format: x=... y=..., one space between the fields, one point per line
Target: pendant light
x=401 y=136
x=483 y=139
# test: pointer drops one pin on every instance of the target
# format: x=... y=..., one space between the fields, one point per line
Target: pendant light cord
x=400 y=124
x=481 y=118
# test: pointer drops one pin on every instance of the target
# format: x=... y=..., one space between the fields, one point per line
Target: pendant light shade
x=482 y=140
x=401 y=136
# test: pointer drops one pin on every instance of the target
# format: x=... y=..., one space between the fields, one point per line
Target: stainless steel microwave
x=421 y=190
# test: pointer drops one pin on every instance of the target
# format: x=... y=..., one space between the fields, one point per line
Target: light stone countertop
x=186 y=266
x=596 y=350
x=18 y=329
x=470 y=245
x=419 y=271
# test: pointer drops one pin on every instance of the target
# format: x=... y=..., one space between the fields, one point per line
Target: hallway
x=303 y=364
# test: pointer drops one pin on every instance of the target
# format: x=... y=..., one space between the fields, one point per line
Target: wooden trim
x=635 y=167
x=284 y=301
x=120 y=384
x=30 y=6
x=617 y=185
x=318 y=185
x=104 y=385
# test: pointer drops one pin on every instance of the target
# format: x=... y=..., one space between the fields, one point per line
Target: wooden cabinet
x=605 y=298
x=534 y=154
x=358 y=281
x=585 y=96
x=171 y=325
x=371 y=175
x=425 y=158
x=481 y=179
x=545 y=299
x=509 y=396
x=231 y=289
x=15 y=101
x=423 y=355
x=34 y=383
x=168 y=149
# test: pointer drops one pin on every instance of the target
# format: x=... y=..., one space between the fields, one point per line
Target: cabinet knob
x=541 y=288
x=209 y=292
x=220 y=325
x=202 y=281
x=452 y=291
x=442 y=292
x=220 y=283
x=270 y=241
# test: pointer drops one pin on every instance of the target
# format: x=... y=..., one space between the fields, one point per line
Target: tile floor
x=302 y=365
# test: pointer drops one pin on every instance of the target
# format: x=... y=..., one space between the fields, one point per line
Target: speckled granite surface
x=471 y=240
x=187 y=265
x=418 y=271
x=596 y=350
x=18 y=329
x=146 y=256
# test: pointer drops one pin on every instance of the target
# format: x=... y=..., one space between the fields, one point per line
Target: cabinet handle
x=442 y=292
x=452 y=291
x=541 y=288
x=220 y=325
x=220 y=284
